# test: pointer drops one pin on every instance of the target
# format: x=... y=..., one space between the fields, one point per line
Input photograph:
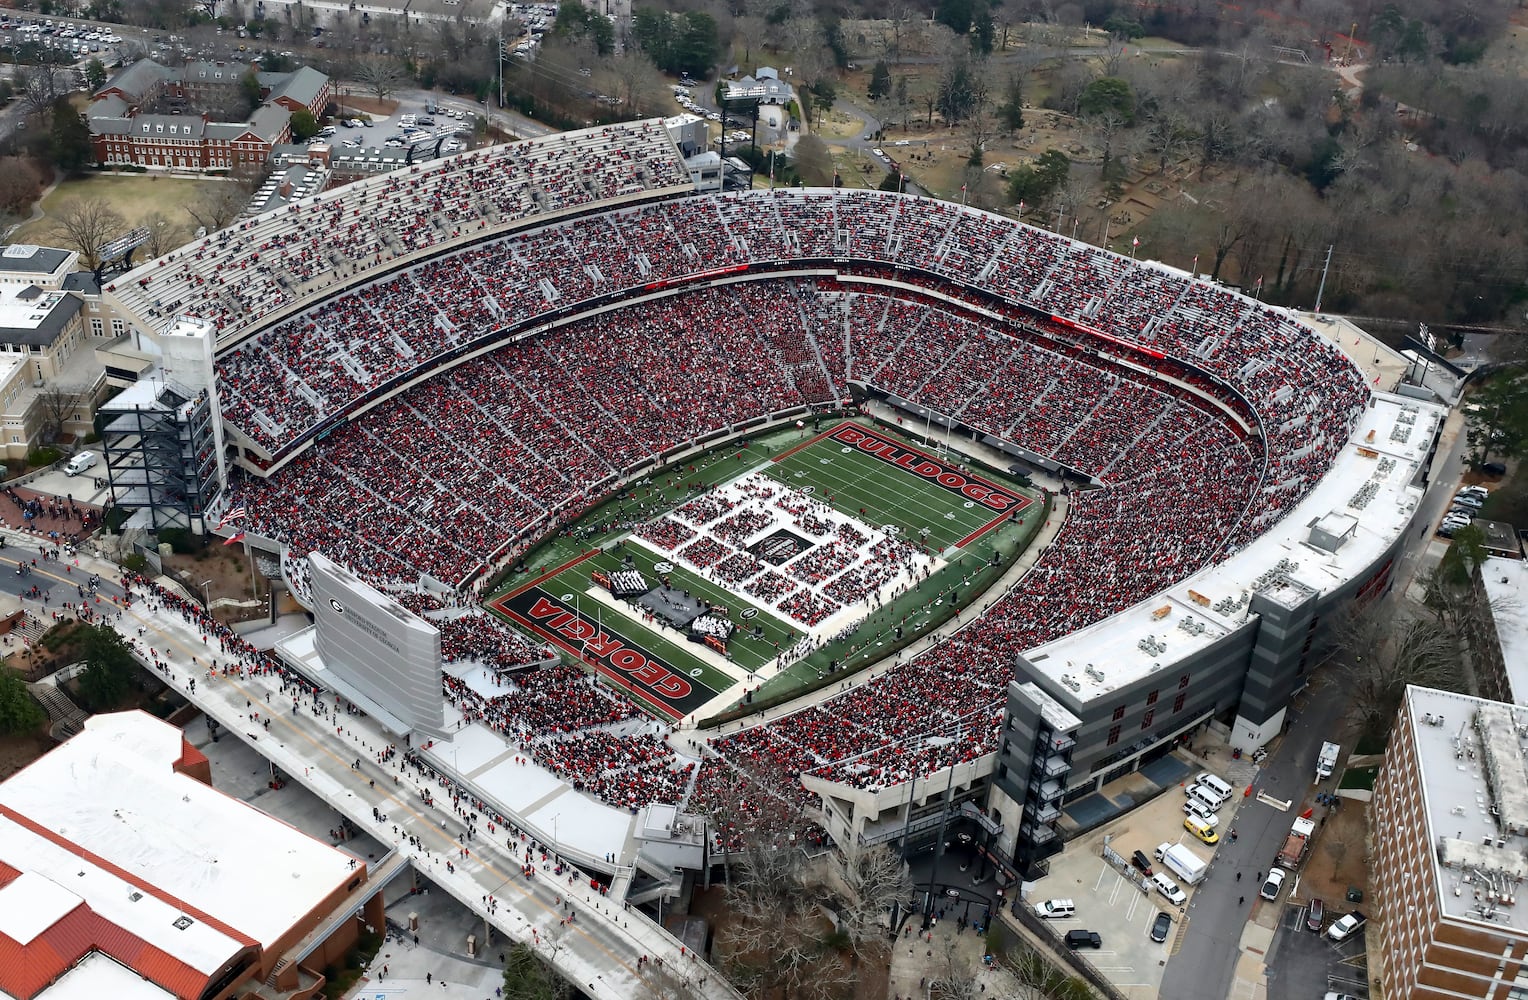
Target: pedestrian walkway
x=592 y=940
x=944 y=951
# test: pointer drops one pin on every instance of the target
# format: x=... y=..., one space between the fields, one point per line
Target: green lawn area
x=134 y=196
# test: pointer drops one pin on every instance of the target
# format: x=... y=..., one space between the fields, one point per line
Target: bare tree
x=85 y=226
x=36 y=89
x=1378 y=656
x=19 y=185
x=56 y=405
x=380 y=75
x=218 y=206
x=164 y=234
x=865 y=887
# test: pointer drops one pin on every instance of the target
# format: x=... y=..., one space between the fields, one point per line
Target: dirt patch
x=369 y=105
x=21 y=749
x=1340 y=857
x=220 y=572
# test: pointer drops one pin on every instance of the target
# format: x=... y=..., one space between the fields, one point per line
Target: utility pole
x=1321 y=288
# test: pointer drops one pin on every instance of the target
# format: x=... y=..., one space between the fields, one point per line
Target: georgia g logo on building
x=339 y=608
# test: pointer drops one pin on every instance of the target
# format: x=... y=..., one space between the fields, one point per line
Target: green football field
x=881 y=493
x=865 y=472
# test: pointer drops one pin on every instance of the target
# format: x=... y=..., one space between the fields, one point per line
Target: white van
x=79 y=463
x=1167 y=887
x=1220 y=785
x=1206 y=797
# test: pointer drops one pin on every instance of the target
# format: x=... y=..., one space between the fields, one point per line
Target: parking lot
x=1113 y=904
x=1303 y=964
x=415 y=127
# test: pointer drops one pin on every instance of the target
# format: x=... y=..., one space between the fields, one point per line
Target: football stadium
x=793 y=509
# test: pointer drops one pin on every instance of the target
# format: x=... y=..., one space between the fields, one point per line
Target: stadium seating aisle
x=490 y=451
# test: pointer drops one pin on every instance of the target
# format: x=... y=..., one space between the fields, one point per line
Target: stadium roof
x=1282 y=563
x=115 y=850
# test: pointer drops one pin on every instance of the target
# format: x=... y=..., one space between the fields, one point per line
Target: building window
x=118 y=327
x=1113 y=735
x=1146 y=719
x=1119 y=713
x=1151 y=699
x=1178 y=702
x=1183 y=682
x=97 y=328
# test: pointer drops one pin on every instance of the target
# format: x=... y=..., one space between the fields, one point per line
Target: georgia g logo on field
x=339 y=608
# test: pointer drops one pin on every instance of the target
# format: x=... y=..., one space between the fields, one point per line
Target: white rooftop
x=32 y=903
x=199 y=945
x=1506 y=583
x=97 y=976
x=111 y=791
x=26 y=313
x=1367 y=490
x=1471 y=761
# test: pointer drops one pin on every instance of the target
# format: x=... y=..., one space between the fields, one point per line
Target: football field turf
x=872 y=475
x=866 y=473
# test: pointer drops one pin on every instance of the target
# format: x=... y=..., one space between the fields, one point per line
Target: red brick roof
x=26 y=970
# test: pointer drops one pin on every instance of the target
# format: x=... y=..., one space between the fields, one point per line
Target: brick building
x=124 y=874
x=125 y=131
x=1450 y=851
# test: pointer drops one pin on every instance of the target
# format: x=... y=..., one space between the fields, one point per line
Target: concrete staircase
x=64 y=716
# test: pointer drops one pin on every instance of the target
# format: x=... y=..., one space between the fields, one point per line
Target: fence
x=1085 y=969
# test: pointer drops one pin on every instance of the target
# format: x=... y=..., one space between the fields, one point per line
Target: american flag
x=237 y=514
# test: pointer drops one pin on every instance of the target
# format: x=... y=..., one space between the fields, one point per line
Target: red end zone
x=983 y=492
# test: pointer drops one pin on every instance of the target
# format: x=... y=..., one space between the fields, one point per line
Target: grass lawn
x=134 y=196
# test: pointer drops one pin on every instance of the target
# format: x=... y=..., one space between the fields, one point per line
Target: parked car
x=1275 y=882
x=1160 y=927
x=1313 y=915
x=1469 y=500
x=1193 y=807
x=1494 y=468
x=1084 y=939
x=1142 y=863
x=1055 y=909
x=1346 y=926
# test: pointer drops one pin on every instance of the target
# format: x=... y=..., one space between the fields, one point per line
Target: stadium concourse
x=433 y=420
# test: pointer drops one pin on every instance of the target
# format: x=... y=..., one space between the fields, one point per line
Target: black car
x=1083 y=939
x=1141 y=862
x=1160 y=927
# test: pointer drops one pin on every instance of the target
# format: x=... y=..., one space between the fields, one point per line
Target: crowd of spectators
x=238 y=275
x=628 y=770
x=485 y=452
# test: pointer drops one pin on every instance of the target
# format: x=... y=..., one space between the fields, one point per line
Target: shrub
x=39 y=457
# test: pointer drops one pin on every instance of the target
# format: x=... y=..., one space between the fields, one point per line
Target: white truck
x=1183 y=862
x=1326 y=763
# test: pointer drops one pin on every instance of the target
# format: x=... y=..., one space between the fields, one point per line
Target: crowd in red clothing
x=498 y=448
